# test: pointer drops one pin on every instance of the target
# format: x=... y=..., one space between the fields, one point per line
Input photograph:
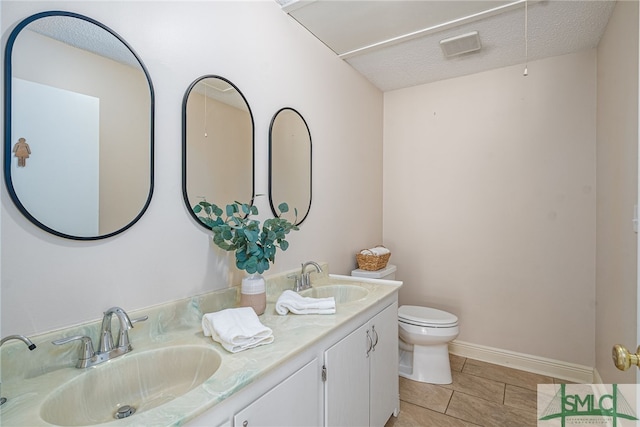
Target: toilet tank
x=387 y=273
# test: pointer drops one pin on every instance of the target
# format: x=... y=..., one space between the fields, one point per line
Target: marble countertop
x=28 y=378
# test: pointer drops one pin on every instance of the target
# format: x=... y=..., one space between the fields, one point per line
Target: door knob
x=623 y=359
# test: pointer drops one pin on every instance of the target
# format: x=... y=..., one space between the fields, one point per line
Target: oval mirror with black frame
x=78 y=158
x=290 y=165
x=217 y=145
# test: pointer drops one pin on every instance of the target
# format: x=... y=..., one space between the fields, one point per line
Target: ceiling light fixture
x=465 y=43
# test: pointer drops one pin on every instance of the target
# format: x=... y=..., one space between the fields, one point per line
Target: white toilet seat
x=426 y=317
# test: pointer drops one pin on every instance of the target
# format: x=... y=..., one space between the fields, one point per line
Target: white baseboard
x=525 y=362
x=597 y=379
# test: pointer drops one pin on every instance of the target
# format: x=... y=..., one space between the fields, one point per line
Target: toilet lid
x=426 y=316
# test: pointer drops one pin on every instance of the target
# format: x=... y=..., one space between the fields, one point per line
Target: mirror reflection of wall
x=217 y=144
x=290 y=164
x=58 y=56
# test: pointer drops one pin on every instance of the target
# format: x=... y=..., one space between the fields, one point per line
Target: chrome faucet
x=304 y=277
x=106 y=338
x=106 y=349
x=22 y=338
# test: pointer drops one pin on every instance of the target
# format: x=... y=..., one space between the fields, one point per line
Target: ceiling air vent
x=458 y=45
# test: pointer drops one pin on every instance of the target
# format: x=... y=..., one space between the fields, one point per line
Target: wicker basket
x=372 y=262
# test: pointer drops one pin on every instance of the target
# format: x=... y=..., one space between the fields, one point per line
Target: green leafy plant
x=234 y=229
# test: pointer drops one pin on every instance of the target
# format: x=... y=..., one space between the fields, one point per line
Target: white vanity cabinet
x=361 y=386
x=294 y=402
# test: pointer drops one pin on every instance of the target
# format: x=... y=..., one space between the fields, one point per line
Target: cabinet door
x=384 y=387
x=347 y=381
x=294 y=402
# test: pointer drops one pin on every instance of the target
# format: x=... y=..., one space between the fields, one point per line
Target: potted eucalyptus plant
x=236 y=229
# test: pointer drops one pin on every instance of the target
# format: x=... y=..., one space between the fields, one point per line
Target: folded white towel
x=291 y=301
x=236 y=329
x=378 y=250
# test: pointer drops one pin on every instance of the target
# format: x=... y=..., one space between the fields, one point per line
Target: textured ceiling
x=84 y=35
x=396 y=44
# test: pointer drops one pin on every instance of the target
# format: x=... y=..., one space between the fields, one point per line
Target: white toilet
x=424 y=333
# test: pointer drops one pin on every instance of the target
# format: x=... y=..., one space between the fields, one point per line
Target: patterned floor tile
x=456 y=362
x=417 y=416
x=482 y=394
x=477 y=386
x=519 y=397
x=428 y=396
x=489 y=414
x=506 y=375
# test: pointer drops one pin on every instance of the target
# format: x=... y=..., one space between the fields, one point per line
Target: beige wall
x=617 y=152
x=48 y=282
x=489 y=203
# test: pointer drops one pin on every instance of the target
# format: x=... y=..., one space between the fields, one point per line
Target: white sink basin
x=140 y=380
x=341 y=293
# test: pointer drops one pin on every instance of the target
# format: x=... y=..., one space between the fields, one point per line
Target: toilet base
x=426 y=364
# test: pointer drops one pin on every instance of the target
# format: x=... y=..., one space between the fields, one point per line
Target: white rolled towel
x=291 y=301
x=378 y=250
x=236 y=329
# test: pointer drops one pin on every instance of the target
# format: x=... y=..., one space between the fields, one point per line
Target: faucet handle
x=86 y=351
x=139 y=319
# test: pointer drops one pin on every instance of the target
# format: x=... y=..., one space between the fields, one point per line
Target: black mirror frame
x=271 y=203
x=7 y=123
x=185 y=99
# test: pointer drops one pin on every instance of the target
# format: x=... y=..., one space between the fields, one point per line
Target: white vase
x=253 y=293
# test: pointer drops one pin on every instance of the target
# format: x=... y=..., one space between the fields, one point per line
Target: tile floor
x=482 y=394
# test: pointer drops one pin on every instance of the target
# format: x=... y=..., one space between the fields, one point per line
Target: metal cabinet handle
x=370 y=342
x=373 y=329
